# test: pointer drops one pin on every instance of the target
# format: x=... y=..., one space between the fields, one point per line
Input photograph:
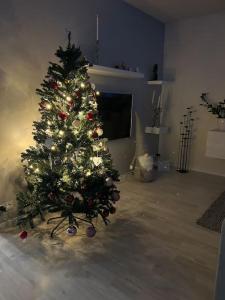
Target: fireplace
x=115 y=112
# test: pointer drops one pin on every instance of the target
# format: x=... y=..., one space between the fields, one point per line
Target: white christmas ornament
x=99 y=131
x=81 y=115
x=109 y=181
x=97 y=160
x=78 y=196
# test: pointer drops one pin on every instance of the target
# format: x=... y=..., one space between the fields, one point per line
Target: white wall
x=195 y=60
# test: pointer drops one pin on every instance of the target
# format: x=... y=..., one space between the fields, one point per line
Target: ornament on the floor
x=23 y=235
x=91 y=231
x=109 y=181
x=185 y=142
x=71 y=230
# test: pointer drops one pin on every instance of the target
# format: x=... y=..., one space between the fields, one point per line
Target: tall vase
x=221 y=124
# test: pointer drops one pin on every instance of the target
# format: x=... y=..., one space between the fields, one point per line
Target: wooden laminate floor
x=153 y=250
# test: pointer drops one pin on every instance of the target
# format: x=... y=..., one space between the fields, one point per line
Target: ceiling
x=170 y=10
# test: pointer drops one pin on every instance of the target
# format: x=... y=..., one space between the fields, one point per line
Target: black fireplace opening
x=115 y=112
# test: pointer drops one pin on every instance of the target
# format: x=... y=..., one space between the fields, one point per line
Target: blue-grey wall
x=30 y=32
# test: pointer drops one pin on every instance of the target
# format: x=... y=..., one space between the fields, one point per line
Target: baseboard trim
x=207 y=172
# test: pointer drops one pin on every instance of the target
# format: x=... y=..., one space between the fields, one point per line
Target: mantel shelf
x=113 y=72
x=156 y=82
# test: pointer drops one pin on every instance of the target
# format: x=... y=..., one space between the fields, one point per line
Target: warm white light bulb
x=90 y=133
x=97 y=93
x=53 y=148
x=36 y=170
x=48 y=106
x=82 y=85
x=49 y=122
x=68 y=98
x=88 y=173
x=61 y=133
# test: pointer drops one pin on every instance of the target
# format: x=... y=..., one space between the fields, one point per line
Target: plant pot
x=221 y=124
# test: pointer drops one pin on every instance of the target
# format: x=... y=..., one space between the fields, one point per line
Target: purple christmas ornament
x=91 y=231
x=71 y=230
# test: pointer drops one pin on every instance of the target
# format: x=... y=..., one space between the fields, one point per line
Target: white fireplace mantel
x=113 y=72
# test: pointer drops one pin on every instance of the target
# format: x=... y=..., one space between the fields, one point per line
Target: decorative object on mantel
x=158 y=105
x=213 y=217
x=186 y=132
x=97 y=40
x=154 y=73
x=142 y=164
x=217 y=109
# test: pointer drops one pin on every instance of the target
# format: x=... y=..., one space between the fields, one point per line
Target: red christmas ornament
x=90 y=116
x=78 y=94
x=112 y=210
x=42 y=104
x=51 y=196
x=70 y=199
x=90 y=203
x=91 y=231
x=54 y=85
x=23 y=235
x=95 y=135
x=105 y=213
x=63 y=116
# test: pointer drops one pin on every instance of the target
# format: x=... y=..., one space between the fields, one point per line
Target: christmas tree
x=69 y=170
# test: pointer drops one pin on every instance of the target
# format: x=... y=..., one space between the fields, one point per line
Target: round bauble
x=78 y=94
x=62 y=115
x=112 y=210
x=71 y=230
x=51 y=196
x=90 y=203
x=23 y=235
x=57 y=161
x=54 y=85
x=95 y=135
x=109 y=181
x=91 y=231
x=90 y=116
x=76 y=123
x=69 y=199
x=105 y=213
x=99 y=131
x=43 y=104
x=115 y=196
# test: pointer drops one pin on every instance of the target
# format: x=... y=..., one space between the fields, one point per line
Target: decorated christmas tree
x=69 y=170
